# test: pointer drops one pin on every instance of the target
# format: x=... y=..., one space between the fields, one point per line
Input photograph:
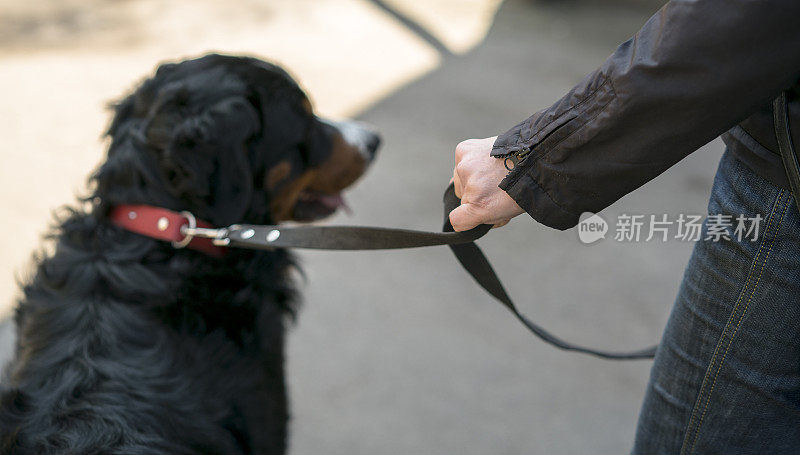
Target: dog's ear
x=206 y=155
x=136 y=105
x=236 y=123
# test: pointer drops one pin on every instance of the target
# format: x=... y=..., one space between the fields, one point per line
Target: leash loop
x=468 y=254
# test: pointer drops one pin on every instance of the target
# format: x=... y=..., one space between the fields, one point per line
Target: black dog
x=128 y=345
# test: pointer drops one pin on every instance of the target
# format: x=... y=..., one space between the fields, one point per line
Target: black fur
x=128 y=346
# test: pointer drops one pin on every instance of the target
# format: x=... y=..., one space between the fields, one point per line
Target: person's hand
x=476 y=176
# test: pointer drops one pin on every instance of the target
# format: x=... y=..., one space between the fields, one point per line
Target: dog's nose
x=372 y=143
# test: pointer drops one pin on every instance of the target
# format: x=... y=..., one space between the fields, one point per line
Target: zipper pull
x=515 y=159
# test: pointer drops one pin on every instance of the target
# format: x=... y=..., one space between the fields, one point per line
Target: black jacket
x=697 y=69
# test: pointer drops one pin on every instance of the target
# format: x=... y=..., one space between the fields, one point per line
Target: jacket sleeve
x=696 y=69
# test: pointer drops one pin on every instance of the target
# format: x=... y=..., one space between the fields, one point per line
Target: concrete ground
x=399 y=352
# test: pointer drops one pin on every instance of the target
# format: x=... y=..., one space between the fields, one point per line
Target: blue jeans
x=726 y=377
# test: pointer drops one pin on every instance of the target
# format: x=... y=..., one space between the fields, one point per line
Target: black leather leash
x=788 y=154
x=375 y=238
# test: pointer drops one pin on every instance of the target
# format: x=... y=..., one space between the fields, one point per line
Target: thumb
x=465 y=217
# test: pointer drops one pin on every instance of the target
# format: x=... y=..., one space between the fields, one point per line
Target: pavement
x=399 y=352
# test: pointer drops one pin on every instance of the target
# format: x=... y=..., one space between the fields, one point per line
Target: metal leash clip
x=218 y=236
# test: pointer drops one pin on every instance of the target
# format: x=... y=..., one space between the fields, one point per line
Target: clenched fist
x=476 y=176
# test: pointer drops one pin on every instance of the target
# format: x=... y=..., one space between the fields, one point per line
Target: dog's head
x=231 y=139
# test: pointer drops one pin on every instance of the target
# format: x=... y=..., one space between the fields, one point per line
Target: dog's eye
x=305 y=153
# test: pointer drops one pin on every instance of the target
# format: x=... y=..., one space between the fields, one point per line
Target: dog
x=127 y=345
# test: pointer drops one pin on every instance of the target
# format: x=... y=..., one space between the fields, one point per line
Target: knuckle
x=460 y=151
x=462 y=168
x=463 y=148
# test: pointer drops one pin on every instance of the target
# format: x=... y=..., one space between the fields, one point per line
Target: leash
x=184 y=230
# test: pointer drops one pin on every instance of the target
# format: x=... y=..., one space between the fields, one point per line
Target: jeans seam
x=746 y=290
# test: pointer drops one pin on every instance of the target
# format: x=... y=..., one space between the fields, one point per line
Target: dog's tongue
x=334 y=201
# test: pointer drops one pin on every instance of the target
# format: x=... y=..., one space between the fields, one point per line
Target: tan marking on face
x=277 y=174
x=344 y=166
x=283 y=203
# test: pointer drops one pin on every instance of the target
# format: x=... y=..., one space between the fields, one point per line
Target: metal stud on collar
x=163 y=223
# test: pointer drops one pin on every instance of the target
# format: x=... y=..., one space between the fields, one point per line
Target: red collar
x=163 y=224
